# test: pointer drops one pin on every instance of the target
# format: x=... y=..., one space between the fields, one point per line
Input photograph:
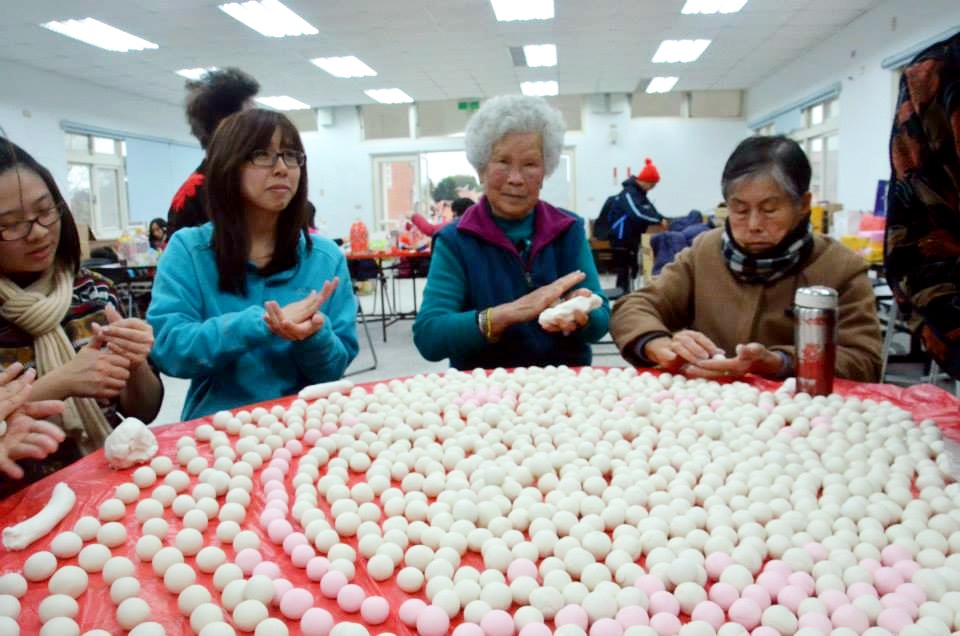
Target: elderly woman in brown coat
x=723 y=308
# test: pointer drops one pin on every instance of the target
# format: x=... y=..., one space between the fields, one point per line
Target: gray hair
x=500 y=116
x=778 y=157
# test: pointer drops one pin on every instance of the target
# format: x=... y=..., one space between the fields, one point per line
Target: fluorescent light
x=512 y=10
x=684 y=51
x=661 y=84
x=282 y=102
x=540 y=89
x=389 y=96
x=269 y=17
x=348 y=66
x=195 y=73
x=540 y=54
x=713 y=6
x=97 y=33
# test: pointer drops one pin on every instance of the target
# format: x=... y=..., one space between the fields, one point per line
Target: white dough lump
x=566 y=309
x=129 y=444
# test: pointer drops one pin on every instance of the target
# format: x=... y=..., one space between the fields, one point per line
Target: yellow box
x=820 y=216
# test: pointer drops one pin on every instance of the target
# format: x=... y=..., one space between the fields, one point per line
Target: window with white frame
x=820 y=139
x=766 y=130
x=97 y=183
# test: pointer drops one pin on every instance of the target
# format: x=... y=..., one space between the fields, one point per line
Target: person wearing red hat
x=627 y=215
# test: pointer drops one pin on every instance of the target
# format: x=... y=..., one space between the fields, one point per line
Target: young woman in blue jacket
x=251 y=307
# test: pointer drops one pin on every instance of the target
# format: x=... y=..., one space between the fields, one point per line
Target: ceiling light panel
x=540 y=54
x=282 y=102
x=389 y=96
x=348 y=66
x=269 y=17
x=97 y=33
x=540 y=89
x=682 y=51
x=661 y=84
x=515 y=10
x=195 y=73
x=709 y=7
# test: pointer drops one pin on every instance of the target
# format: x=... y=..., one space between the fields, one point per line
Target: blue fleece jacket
x=476 y=264
x=220 y=340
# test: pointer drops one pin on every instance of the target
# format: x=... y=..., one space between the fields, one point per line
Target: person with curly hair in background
x=210 y=99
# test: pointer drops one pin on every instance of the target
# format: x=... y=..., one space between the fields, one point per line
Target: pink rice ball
x=269 y=515
x=433 y=621
x=277 y=503
x=709 y=612
x=283 y=453
x=302 y=555
x=280 y=587
x=893 y=554
x=328 y=428
x=746 y=612
x=532 y=629
x=778 y=566
x=280 y=464
x=278 y=494
x=570 y=615
x=716 y=563
x=247 y=559
x=814 y=620
x=852 y=617
x=316 y=622
x=757 y=594
x=894 y=619
x=472 y=629
x=331 y=583
x=375 y=610
x=913 y=592
x=906 y=569
x=887 y=580
x=802 y=580
x=521 y=567
x=268 y=569
x=901 y=602
x=834 y=599
x=816 y=551
x=295 y=603
x=723 y=594
x=310 y=437
x=772 y=582
x=664 y=603
x=763 y=630
x=294 y=447
x=317 y=567
x=497 y=623
x=649 y=584
x=858 y=589
x=271 y=473
x=790 y=597
x=870 y=565
x=274 y=486
x=410 y=611
x=606 y=627
x=665 y=624
x=634 y=615
x=350 y=598
x=293 y=540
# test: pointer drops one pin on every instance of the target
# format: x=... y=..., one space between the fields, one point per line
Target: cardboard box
x=84 y=231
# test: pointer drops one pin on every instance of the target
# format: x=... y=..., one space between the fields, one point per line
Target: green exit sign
x=468 y=105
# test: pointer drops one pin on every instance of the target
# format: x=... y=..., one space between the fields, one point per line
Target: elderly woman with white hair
x=512 y=255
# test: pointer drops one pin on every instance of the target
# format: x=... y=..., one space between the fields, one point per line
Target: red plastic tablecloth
x=94 y=482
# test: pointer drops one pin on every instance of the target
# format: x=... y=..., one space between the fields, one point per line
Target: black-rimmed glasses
x=268 y=159
x=22 y=229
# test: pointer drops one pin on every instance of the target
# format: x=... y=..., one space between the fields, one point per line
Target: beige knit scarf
x=38 y=310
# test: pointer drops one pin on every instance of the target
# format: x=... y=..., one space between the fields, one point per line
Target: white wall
x=689 y=154
x=34 y=102
x=868 y=94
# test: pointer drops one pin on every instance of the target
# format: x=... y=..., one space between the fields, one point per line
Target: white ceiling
x=432 y=49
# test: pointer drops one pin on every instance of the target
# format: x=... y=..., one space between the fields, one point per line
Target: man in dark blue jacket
x=627 y=215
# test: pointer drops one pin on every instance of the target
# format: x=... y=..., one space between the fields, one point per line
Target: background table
x=94 y=482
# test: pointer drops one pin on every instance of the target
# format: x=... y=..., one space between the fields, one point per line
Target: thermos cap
x=816 y=297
